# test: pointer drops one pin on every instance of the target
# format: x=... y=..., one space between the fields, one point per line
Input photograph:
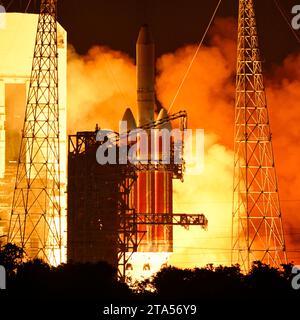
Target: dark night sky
x=115 y=23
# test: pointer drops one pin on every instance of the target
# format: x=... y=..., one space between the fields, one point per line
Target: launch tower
x=257 y=230
x=36 y=216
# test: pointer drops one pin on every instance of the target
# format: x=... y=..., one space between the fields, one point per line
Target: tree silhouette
x=221 y=283
x=11 y=257
x=199 y=283
x=98 y=282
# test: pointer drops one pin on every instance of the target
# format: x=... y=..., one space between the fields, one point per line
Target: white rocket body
x=145 y=62
x=153 y=191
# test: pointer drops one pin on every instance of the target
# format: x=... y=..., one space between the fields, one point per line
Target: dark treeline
x=36 y=279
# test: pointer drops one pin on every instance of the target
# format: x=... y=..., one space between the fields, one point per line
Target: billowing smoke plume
x=208 y=96
x=208 y=89
x=283 y=93
x=102 y=84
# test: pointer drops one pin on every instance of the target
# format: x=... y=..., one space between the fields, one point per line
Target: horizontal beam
x=174 y=219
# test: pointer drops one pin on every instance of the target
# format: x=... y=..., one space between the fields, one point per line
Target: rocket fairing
x=129 y=119
x=153 y=191
x=145 y=63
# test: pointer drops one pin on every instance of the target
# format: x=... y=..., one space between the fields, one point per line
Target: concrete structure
x=17 y=41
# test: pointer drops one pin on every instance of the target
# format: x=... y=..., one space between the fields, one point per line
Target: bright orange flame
x=143 y=265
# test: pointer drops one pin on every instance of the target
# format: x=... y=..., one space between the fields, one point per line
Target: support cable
x=194 y=56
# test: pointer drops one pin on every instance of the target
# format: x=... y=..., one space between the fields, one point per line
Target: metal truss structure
x=35 y=222
x=174 y=219
x=257 y=230
x=128 y=220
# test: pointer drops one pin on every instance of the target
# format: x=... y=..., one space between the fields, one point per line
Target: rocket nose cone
x=145 y=36
x=162 y=115
x=129 y=118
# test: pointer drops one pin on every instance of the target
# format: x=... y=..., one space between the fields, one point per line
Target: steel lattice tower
x=35 y=222
x=257 y=231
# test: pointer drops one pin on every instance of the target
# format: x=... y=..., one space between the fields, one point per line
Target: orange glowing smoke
x=102 y=84
x=208 y=97
x=100 y=87
x=284 y=101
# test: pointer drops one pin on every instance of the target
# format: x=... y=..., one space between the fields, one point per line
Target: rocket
x=153 y=190
x=145 y=66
